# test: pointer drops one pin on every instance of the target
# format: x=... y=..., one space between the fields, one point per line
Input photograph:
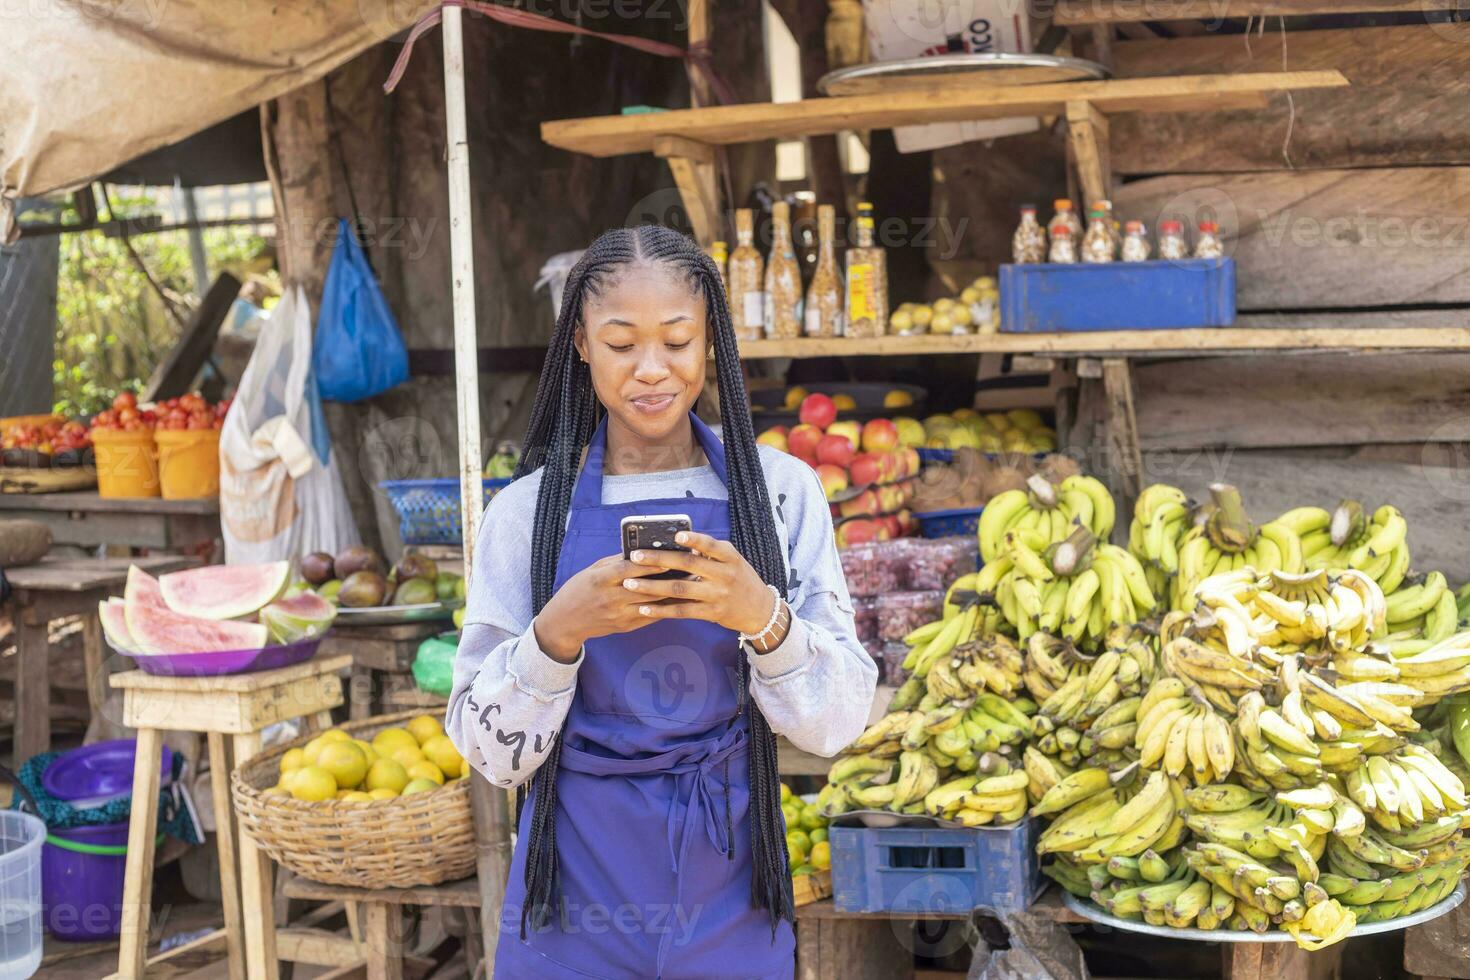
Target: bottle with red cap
x=1063 y=246
x=1097 y=244
x=1028 y=244
x=1135 y=243
x=1065 y=217
x=1208 y=244
x=1171 y=240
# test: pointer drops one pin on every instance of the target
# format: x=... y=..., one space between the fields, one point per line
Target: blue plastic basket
x=949 y=523
x=1157 y=295
x=907 y=869
x=927 y=456
x=428 y=510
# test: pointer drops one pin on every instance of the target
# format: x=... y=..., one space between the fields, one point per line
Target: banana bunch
x=1048 y=512
x=1420 y=614
x=1462 y=601
x=1177 y=730
x=986 y=663
x=1161 y=519
x=1319 y=613
x=1260 y=896
x=995 y=795
x=1377 y=546
x=1079 y=588
x=1457 y=725
x=1088 y=704
x=1227 y=540
x=1181 y=900
x=1436 y=672
x=935 y=641
x=1405 y=791
x=1102 y=815
x=1377 y=897
x=1263 y=830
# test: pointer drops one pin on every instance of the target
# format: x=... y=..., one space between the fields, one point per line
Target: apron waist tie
x=701 y=799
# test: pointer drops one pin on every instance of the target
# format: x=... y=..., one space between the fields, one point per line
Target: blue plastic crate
x=927 y=456
x=949 y=523
x=907 y=869
x=1158 y=295
x=428 y=510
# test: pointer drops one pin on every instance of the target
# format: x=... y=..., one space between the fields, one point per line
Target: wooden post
x=490 y=806
x=693 y=167
x=1087 y=135
x=256 y=892
x=298 y=158
x=32 y=687
x=224 y=840
x=138 y=874
x=1124 y=457
x=699 y=94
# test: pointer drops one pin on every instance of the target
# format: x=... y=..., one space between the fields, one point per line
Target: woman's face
x=645 y=337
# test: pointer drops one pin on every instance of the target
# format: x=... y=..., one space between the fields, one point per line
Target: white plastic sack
x=280 y=493
x=554 y=276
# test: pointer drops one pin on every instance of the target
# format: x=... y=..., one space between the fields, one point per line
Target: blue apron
x=652 y=833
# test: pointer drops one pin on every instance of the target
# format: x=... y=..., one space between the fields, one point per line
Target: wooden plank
x=88 y=574
x=464 y=893
x=1439 y=948
x=1124 y=459
x=317 y=947
x=93 y=667
x=32 y=692
x=90 y=502
x=1263 y=961
x=1250 y=340
x=1072 y=13
x=613 y=135
x=231 y=712
x=384 y=943
x=391 y=655
x=1087 y=129
x=1400 y=110
x=256 y=875
x=1318 y=400
x=229 y=873
x=1328 y=238
x=150 y=531
x=138 y=872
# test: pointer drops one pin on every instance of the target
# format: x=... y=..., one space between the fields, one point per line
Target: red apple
x=849 y=428
x=774 y=436
x=892 y=525
x=887 y=467
x=861 y=505
x=818 y=410
x=834 y=450
x=890 y=498
x=880 y=435
x=864 y=469
x=908 y=522
x=834 y=479
x=850 y=533
x=803 y=440
x=911 y=459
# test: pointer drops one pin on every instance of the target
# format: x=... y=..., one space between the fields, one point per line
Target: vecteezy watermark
x=1451 y=482
x=389 y=16
x=380 y=232
x=1363 y=228
x=1212 y=12
x=403 y=448
x=666 y=207
x=627 y=919
x=667 y=687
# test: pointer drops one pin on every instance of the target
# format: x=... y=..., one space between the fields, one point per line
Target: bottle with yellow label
x=867 y=280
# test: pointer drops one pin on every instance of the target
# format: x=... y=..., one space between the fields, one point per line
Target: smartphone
x=655 y=532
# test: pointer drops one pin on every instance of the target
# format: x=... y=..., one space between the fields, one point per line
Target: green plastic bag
x=433 y=665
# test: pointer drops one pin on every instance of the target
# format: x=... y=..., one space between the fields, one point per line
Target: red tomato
x=127 y=415
x=219 y=423
x=125 y=399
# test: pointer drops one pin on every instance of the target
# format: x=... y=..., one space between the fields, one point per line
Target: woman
x=646 y=709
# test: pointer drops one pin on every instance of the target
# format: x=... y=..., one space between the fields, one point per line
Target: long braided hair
x=562 y=423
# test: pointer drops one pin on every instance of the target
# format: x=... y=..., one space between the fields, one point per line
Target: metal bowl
x=994 y=68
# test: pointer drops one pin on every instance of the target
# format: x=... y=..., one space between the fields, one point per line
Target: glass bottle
x=1065 y=217
x=1135 y=243
x=867 y=280
x=745 y=280
x=1063 y=248
x=720 y=256
x=1171 y=241
x=1028 y=244
x=1110 y=222
x=824 y=296
x=783 y=279
x=804 y=234
x=1208 y=244
x=1097 y=244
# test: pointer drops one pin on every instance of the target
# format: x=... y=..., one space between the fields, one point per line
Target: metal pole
x=491 y=810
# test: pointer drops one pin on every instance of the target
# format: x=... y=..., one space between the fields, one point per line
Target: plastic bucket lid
x=97 y=773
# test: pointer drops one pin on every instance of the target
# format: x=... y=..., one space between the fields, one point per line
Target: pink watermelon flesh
x=115 y=625
x=142 y=589
x=157 y=629
x=299 y=617
x=224 y=591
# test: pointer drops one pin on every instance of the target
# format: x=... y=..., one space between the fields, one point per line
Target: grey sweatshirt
x=815 y=688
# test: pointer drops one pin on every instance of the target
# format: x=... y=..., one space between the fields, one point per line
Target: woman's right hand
x=590 y=604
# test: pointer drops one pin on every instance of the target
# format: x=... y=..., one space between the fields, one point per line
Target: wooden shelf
x=1071 y=13
x=604 y=136
x=1241 y=340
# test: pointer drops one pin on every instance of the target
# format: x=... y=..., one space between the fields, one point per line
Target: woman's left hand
x=727 y=591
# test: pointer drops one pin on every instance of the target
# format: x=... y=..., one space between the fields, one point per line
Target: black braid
x=562 y=422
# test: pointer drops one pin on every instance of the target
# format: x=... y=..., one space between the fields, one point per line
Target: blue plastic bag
x=358 y=352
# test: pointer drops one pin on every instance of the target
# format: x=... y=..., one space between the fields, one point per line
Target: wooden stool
x=379 y=650
x=240 y=706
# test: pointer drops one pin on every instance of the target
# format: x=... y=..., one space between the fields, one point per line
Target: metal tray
x=993 y=68
x=394 y=615
x=1089 y=911
x=885 y=819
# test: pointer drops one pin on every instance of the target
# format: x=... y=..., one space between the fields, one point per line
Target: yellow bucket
x=127 y=463
x=188 y=463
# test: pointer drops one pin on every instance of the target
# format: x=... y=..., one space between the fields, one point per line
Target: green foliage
x=112 y=328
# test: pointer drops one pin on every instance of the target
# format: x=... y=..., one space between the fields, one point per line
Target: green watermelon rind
x=158 y=630
x=221 y=592
x=289 y=624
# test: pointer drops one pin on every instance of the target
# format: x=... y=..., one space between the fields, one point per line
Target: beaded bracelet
x=749 y=639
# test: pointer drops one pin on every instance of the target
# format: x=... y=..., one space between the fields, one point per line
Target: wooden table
x=377 y=650
x=51 y=589
x=240 y=706
x=85 y=519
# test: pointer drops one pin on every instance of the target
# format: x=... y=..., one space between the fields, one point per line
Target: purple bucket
x=82 y=881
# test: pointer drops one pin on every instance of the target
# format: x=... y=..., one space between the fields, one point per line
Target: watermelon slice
x=158 y=629
x=142 y=589
x=224 y=591
x=299 y=617
x=115 y=625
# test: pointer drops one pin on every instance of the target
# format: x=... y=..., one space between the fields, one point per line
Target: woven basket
x=421 y=839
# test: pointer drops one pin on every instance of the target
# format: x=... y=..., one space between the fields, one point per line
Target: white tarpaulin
x=86 y=85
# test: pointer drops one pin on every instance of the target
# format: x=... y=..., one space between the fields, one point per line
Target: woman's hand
x=727 y=591
x=592 y=603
